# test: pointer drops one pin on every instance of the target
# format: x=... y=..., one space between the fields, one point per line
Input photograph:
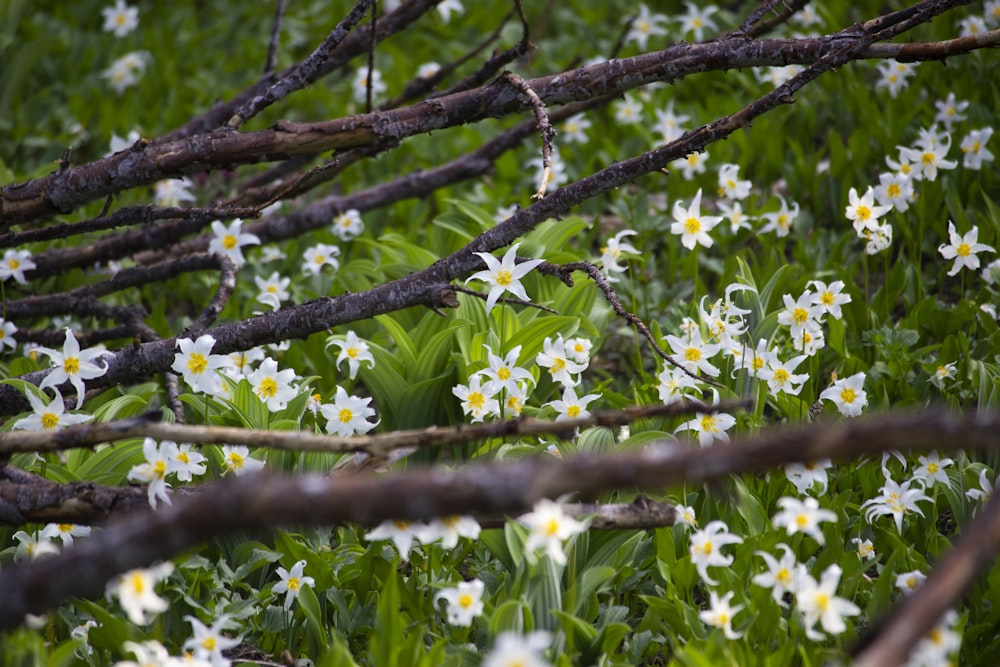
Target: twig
x=893 y=639
x=272 y=46
x=149 y=426
x=543 y=124
x=505 y=299
x=264 y=502
x=371 y=60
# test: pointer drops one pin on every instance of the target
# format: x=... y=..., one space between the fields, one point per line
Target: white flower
x=686 y=515
x=185 y=463
x=15 y=263
x=644 y=26
x=229 y=240
x=710 y=427
x=560 y=363
x=932 y=469
x=126 y=71
x=428 y=70
x=348 y=415
x=802 y=516
x=848 y=394
x=273 y=289
x=161 y=460
x=574 y=129
x=693 y=353
x=236 y=459
x=292 y=582
x=550 y=526
x=361 y=84
x=73 y=365
x=780 y=222
x=697 y=20
x=818 y=601
x=720 y=614
x=208 y=643
x=612 y=252
x=928 y=159
x=950 y=111
x=400 y=532
x=895 y=190
x=448 y=529
x=671 y=125
x=974 y=148
x=781 y=575
x=571 y=407
x=780 y=376
x=971 y=25
x=692 y=227
x=197 y=364
x=49 y=416
x=895 y=499
x=513 y=650
x=554 y=175
x=730 y=186
x=118 y=144
x=866 y=550
x=504 y=275
x=120 y=19
x=829 y=298
x=504 y=371
x=862 y=211
x=478 y=398
x=172 y=191
x=806 y=475
x=706 y=548
x=318 y=256
x=136 y=591
x=798 y=313
x=963 y=249
x=691 y=164
x=32 y=546
x=628 y=111
x=272 y=386
x=238 y=364
x=348 y=224
x=354 y=351
x=733 y=212
x=464 y=602
x=910 y=581
x=894 y=75
x=446 y=7
x=65 y=532
x=674 y=383
x=578 y=349
x=985 y=489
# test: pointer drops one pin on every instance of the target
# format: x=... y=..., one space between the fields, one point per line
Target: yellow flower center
x=783 y=577
x=319 y=259
x=267 y=388
x=573 y=411
x=893 y=191
x=465 y=601
x=197 y=363
x=138 y=583
x=504 y=278
x=928 y=158
x=552 y=527
x=847 y=395
x=65 y=527
x=346 y=415
x=13 y=263
x=963 y=250
x=800 y=315
x=827 y=298
x=822 y=601
x=801 y=521
x=781 y=376
x=293 y=583
x=50 y=420
x=643 y=26
x=557 y=365
x=183 y=457
x=399 y=524
x=932 y=468
x=692 y=226
x=707 y=548
x=160 y=469
x=71 y=365
x=692 y=354
x=697 y=23
x=235 y=461
x=503 y=373
x=708 y=424
x=476 y=400
x=352 y=352
x=208 y=643
x=228 y=241
x=863 y=212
